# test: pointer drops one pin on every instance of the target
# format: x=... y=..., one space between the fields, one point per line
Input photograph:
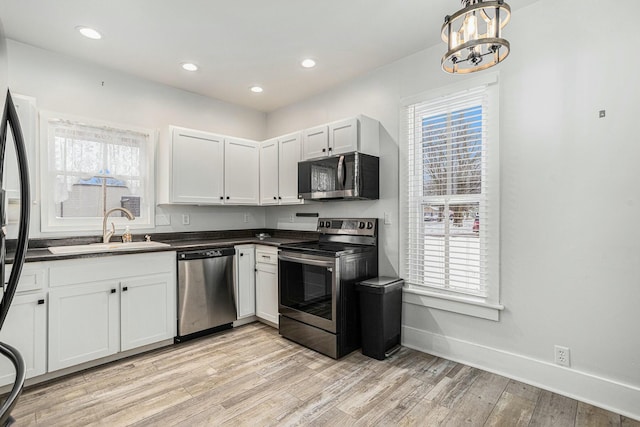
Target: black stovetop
x=327 y=248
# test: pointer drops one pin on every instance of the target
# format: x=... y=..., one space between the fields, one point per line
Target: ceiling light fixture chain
x=474 y=36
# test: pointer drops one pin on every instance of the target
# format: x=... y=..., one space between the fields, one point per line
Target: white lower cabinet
x=145 y=310
x=25 y=328
x=245 y=281
x=267 y=284
x=84 y=323
x=100 y=306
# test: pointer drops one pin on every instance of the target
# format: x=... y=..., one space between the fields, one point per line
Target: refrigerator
x=9 y=121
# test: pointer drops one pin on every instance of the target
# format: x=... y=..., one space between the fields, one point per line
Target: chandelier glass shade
x=474 y=36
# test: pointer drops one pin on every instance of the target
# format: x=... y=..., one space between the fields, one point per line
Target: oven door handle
x=316 y=262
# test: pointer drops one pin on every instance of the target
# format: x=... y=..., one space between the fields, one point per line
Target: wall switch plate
x=185 y=219
x=387 y=218
x=562 y=356
x=246 y=217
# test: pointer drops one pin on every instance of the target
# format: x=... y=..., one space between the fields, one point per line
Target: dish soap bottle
x=126 y=237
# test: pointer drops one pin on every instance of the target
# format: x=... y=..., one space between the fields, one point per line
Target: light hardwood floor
x=251 y=376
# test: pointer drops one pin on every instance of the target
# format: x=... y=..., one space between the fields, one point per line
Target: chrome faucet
x=106 y=235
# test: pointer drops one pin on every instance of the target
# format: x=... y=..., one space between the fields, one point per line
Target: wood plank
x=590 y=416
x=425 y=413
x=511 y=410
x=554 y=410
x=523 y=390
x=450 y=390
x=628 y=422
x=395 y=406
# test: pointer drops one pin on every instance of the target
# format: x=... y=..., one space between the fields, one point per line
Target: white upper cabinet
x=269 y=190
x=316 y=142
x=241 y=178
x=343 y=136
x=208 y=169
x=196 y=167
x=289 y=155
x=360 y=133
x=279 y=159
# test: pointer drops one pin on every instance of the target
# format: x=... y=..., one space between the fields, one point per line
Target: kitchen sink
x=104 y=247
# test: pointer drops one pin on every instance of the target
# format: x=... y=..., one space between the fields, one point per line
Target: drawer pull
x=113 y=291
x=125 y=289
x=40 y=301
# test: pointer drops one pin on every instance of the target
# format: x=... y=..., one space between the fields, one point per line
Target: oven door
x=308 y=288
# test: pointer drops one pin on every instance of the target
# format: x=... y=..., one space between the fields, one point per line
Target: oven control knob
x=369 y=225
x=327 y=224
x=321 y=224
x=361 y=225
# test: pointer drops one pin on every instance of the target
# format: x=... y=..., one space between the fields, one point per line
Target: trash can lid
x=380 y=284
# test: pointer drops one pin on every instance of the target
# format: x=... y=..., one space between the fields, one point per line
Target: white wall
x=64 y=84
x=570 y=208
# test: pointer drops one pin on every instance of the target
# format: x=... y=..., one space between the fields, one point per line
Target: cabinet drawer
x=32 y=278
x=266 y=256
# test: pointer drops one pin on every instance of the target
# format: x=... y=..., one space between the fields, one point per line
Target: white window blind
x=448 y=204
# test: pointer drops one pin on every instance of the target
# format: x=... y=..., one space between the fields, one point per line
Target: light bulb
x=491 y=28
x=454 y=40
x=470 y=27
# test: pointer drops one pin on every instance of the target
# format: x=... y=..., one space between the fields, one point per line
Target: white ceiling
x=236 y=43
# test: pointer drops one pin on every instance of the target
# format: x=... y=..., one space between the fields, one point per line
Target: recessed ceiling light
x=189 y=66
x=308 y=63
x=256 y=89
x=89 y=33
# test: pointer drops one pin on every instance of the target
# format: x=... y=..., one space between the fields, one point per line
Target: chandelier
x=474 y=36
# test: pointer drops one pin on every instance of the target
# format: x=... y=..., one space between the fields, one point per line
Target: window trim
x=481 y=307
x=48 y=220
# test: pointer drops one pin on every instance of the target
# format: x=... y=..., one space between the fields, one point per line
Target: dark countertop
x=177 y=241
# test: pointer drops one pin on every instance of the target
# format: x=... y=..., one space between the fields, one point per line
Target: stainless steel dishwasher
x=206 y=291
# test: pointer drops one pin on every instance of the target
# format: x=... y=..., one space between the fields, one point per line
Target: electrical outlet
x=185 y=219
x=292 y=218
x=246 y=217
x=562 y=356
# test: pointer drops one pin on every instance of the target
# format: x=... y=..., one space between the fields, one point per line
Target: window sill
x=469 y=306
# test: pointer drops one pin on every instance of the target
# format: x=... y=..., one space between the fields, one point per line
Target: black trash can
x=380 y=315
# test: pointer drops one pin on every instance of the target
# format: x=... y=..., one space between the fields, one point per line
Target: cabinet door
x=343 y=136
x=245 y=282
x=25 y=328
x=289 y=148
x=147 y=310
x=241 y=177
x=267 y=292
x=197 y=165
x=84 y=323
x=315 y=142
x=269 y=172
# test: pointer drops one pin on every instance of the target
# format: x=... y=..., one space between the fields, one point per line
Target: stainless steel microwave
x=350 y=176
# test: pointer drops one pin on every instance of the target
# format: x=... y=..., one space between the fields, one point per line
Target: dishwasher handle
x=205 y=253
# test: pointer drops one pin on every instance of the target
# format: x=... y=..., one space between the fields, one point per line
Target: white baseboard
x=605 y=393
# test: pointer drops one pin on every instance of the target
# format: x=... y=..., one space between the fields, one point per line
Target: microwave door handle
x=341 y=171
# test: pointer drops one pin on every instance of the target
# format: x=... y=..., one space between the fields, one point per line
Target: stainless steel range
x=318 y=303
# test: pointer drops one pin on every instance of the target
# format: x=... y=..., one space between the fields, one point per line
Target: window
x=89 y=168
x=451 y=204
